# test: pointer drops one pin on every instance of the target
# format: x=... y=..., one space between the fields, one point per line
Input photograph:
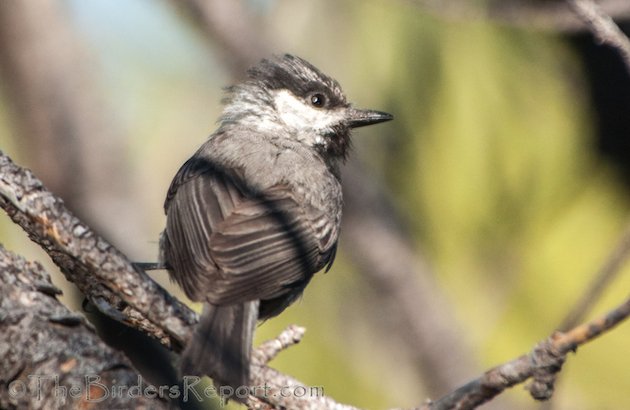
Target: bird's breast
x=265 y=161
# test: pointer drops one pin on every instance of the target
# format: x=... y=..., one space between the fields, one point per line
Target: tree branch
x=604 y=276
x=546 y=359
x=268 y=350
x=603 y=27
x=108 y=280
x=104 y=275
x=542 y=364
x=552 y=15
x=51 y=357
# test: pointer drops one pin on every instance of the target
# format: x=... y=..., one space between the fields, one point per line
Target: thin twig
x=542 y=364
x=606 y=274
x=553 y=16
x=603 y=27
x=269 y=349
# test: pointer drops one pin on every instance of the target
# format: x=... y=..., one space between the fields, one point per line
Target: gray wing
x=228 y=244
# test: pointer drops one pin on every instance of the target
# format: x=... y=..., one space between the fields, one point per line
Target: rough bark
x=51 y=357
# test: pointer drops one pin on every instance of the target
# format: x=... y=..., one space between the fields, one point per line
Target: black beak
x=361 y=118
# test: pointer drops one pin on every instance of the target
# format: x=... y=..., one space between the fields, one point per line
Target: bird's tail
x=222 y=343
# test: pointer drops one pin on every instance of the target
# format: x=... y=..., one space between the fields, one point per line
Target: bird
x=256 y=211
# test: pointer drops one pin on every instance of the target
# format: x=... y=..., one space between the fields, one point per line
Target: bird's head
x=289 y=95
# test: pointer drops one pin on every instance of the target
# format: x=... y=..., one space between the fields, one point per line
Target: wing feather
x=228 y=244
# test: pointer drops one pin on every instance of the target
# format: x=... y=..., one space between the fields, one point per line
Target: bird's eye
x=318 y=100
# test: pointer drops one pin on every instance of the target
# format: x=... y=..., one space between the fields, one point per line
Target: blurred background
x=473 y=223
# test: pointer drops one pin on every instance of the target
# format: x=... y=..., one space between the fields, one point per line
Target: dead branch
x=603 y=27
x=550 y=15
x=51 y=357
x=542 y=364
x=110 y=282
x=268 y=350
x=99 y=270
x=603 y=277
